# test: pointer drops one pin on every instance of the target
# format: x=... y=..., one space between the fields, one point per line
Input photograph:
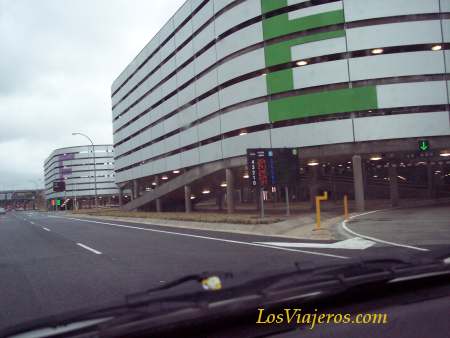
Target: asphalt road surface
x=51 y=263
x=417 y=227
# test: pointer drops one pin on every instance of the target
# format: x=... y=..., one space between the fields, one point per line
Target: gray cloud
x=57 y=63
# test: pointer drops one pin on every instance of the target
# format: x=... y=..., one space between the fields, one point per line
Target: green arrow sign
x=424 y=145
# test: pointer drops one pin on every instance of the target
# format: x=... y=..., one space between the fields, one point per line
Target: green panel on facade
x=280 y=81
x=281 y=25
x=270 y=5
x=281 y=52
x=322 y=103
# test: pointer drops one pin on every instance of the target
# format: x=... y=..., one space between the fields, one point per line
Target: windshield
x=150 y=149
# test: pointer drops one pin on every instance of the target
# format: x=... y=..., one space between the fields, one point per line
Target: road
x=417 y=227
x=51 y=263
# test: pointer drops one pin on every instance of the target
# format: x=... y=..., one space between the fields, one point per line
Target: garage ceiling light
x=224 y=185
x=376 y=158
x=445 y=154
x=176 y=171
x=313 y=163
x=377 y=51
x=206 y=192
x=164 y=178
x=245 y=176
x=436 y=47
x=302 y=63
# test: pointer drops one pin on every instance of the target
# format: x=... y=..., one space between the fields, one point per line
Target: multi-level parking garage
x=355 y=84
x=86 y=175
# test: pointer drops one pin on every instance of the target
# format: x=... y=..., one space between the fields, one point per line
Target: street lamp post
x=95 y=168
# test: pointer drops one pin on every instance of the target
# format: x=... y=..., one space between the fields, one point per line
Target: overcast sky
x=58 y=59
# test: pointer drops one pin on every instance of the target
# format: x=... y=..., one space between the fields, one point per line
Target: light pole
x=95 y=168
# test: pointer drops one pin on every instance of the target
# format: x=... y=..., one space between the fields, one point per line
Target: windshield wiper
x=210 y=281
x=357 y=272
x=315 y=281
x=134 y=305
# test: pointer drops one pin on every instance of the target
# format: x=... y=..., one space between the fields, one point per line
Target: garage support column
x=158 y=200
x=358 y=180
x=230 y=190
x=313 y=186
x=187 y=199
x=393 y=185
x=430 y=179
x=120 y=197
x=135 y=189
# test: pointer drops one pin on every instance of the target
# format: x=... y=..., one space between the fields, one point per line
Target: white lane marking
x=344 y=226
x=46 y=229
x=206 y=237
x=32 y=222
x=89 y=248
x=355 y=243
x=367 y=213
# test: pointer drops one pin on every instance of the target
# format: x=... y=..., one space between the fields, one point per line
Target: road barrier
x=346 y=207
x=324 y=197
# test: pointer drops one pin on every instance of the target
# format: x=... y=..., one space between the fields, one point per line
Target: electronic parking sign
x=424 y=145
x=272 y=167
x=59 y=186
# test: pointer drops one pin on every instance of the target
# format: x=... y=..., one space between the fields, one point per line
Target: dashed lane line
x=89 y=249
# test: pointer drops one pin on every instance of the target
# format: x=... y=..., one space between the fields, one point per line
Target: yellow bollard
x=318 y=200
x=346 y=207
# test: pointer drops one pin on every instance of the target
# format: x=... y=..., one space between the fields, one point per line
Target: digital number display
x=272 y=167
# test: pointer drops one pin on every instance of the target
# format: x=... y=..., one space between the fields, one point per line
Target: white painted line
x=32 y=222
x=46 y=229
x=355 y=243
x=90 y=249
x=208 y=238
x=344 y=226
x=367 y=213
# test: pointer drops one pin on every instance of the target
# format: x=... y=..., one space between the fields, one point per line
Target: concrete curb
x=301 y=232
x=331 y=228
